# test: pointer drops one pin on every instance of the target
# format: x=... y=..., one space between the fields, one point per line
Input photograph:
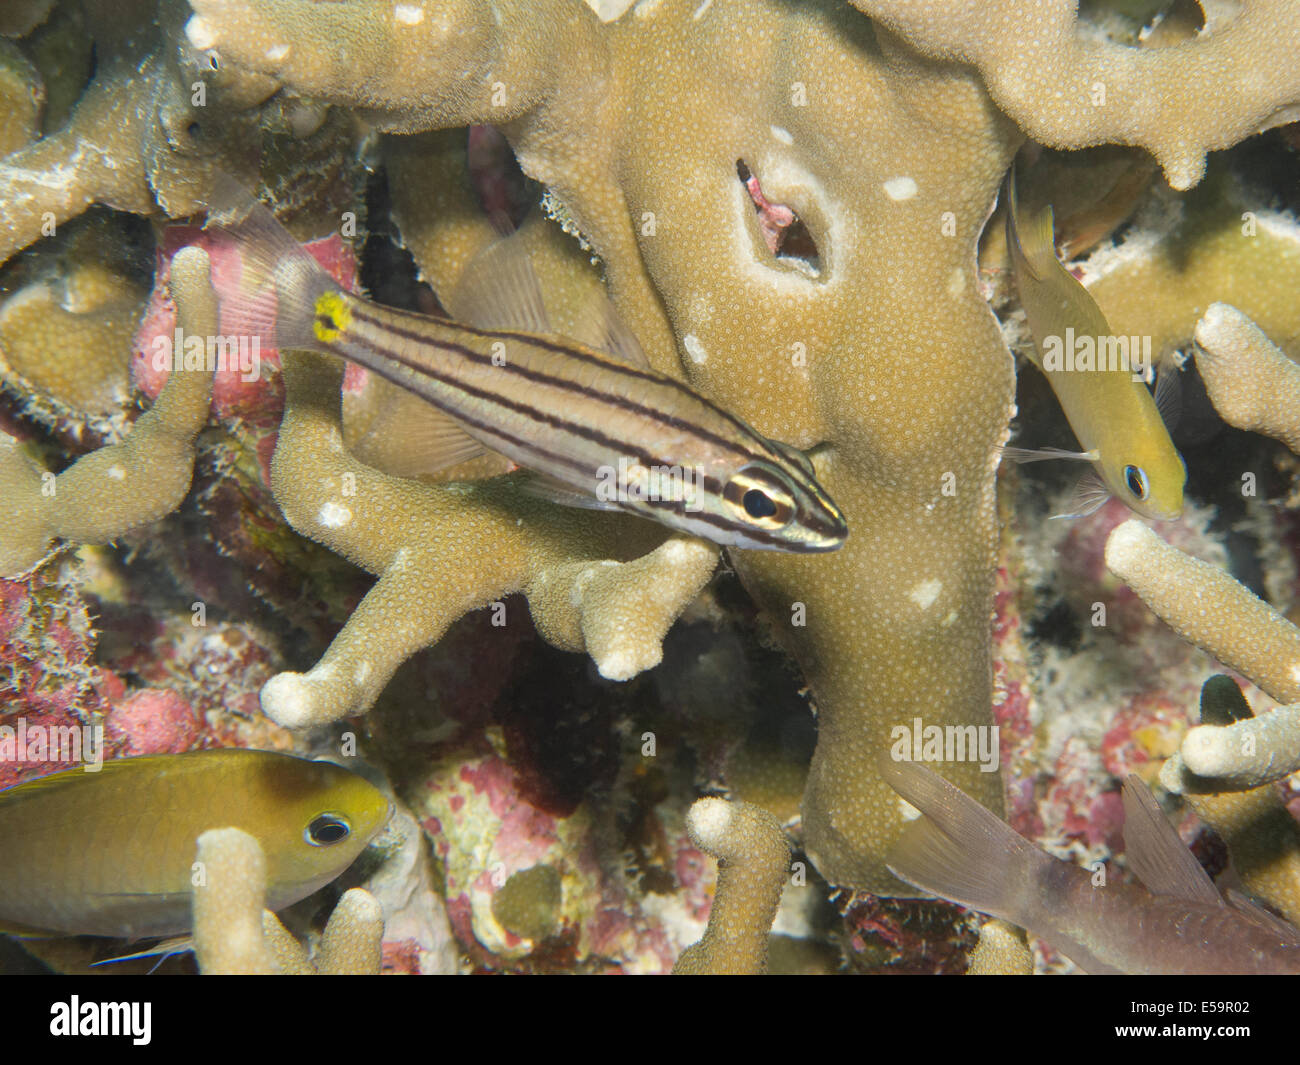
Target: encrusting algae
x=784 y=203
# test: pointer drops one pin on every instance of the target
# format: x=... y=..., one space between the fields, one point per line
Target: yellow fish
x=111 y=853
x=1117 y=423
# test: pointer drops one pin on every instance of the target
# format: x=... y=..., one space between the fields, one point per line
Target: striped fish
x=601 y=427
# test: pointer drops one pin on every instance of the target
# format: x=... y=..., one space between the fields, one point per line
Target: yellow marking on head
x=332 y=317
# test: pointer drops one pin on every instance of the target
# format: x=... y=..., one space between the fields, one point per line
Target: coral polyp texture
x=786 y=204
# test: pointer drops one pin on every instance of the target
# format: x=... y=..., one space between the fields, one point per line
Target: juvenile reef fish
x=1108 y=406
x=110 y=853
x=603 y=428
x=1177 y=924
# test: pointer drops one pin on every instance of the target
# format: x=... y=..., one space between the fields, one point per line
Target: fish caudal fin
x=959 y=850
x=276 y=292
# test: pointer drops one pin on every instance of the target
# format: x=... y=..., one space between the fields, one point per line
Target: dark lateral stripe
x=363 y=312
x=486 y=427
x=618 y=448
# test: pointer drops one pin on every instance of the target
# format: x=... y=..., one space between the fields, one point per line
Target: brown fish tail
x=960 y=850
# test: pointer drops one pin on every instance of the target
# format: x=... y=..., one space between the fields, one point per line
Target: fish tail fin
x=959 y=850
x=278 y=286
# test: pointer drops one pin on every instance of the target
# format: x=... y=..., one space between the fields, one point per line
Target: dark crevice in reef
x=1056 y=623
x=387 y=270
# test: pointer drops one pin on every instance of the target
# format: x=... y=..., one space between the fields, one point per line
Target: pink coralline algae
x=249 y=386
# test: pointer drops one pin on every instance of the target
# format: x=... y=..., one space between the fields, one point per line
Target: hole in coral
x=193 y=131
x=784 y=232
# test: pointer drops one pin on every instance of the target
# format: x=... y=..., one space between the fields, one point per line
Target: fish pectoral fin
x=1089 y=496
x=1156 y=854
x=163 y=950
x=1169 y=393
x=1042 y=454
x=407 y=437
x=540 y=486
x=499 y=290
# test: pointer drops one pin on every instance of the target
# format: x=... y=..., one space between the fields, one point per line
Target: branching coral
x=753 y=864
x=1001 y=951
x=1251 y=382
x=844 y=350
x=64 y=333
x=124 y=485
x=233 y=934
x=443 y=550
x=1226 y=771
x=1069 y=89
x=1206 y=607
x=680 y=144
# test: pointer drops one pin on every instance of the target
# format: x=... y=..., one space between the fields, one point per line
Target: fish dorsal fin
x=1157 y=855
x=1284 y=929
x=1222 y=702
x=116 y=766
x=499 y=290
x=406 y=436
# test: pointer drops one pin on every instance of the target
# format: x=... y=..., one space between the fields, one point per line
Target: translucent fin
x=958 y=850
x=1089 y=496
x=274 y=297
x=499 y=290
x=1169 y=393
x=617 y=340
x=1157 y=855
x=163 y=950
x=1285 y=930
x=539 y=486
x=406 y=436
x=961 y=852
x=1021 y=454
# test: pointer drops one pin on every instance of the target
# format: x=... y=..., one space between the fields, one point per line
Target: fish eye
x=758 y=504
x=1135 y=478
x=326 y=830
x=760 y=496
